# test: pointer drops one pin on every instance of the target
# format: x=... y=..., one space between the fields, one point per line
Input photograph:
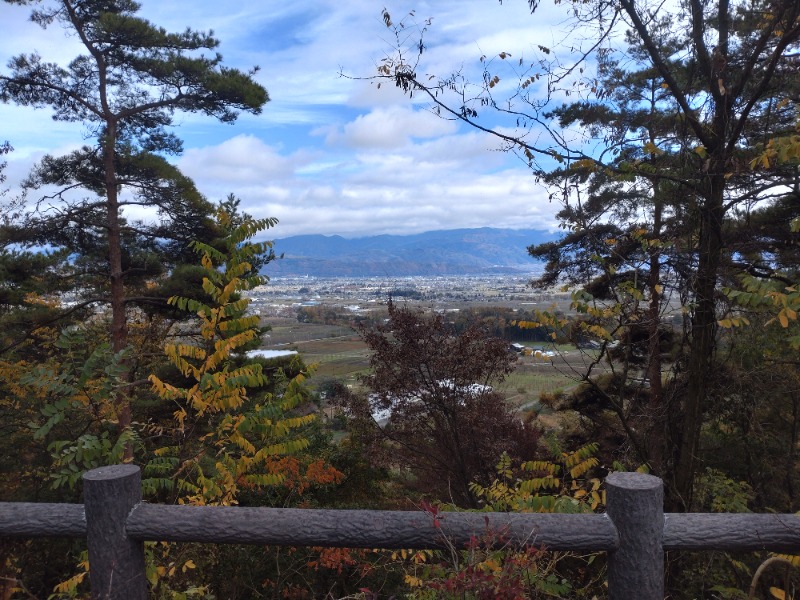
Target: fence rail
x=634 y=531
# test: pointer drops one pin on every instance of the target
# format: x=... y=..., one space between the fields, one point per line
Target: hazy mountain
x=451 y=252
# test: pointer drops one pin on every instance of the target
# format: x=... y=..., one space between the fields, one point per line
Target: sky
x=328 y=154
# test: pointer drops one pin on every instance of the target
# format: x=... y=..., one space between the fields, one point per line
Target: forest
x=126 y=340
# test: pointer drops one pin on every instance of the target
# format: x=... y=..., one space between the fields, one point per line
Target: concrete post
x=116 y=562
x=635 y=503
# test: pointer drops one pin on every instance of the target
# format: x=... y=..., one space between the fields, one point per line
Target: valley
x=336 y=350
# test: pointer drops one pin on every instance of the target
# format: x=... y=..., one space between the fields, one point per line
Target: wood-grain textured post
x=635 y=503
x=33 y=519
x=365 y=528
x=116 y=562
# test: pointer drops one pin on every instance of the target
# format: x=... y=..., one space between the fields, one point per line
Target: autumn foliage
x=445 y=425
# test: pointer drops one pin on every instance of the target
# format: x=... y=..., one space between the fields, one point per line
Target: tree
x=760 y=336
x=247 y=435
x=126 y=89
x=5 y=148
x=717 y=76
x=770 y=278
x=629 y=246
x=445 y=422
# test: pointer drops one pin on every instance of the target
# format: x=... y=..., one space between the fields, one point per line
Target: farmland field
x=338 y=352
x=334 y=350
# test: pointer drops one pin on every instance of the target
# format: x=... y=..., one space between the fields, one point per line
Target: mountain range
x=483 y=251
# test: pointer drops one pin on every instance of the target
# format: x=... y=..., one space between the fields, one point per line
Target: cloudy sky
x=329 y=154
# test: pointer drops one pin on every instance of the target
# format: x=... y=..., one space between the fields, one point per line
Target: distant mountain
x=451 y=252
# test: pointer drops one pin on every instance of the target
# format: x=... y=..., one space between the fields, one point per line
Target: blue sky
x=329 y=154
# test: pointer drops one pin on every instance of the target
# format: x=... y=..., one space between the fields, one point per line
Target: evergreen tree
x=126 y=89
x=693 y=152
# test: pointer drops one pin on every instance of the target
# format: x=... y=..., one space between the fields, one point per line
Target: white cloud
x=330 y=154
x=22 y=36
x=417 y=188
x=389 y=127
x=243 y=160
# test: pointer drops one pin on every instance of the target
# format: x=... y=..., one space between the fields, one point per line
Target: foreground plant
x=244 y=436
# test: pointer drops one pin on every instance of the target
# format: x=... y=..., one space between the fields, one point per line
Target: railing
x=634 y=531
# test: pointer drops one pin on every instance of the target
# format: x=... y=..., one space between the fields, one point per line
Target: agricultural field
x=338 y=352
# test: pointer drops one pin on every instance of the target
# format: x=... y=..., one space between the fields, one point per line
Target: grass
x=346 y=359
x=526 y=384
x=342 y=358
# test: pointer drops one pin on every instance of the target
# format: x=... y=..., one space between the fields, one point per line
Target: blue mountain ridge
x=483 y=251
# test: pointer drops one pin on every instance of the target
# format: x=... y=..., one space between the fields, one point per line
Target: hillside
x=450 y=252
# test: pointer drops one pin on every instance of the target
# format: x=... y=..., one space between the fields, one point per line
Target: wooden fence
x=634 y=531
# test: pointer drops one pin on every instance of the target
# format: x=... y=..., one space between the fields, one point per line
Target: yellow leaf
x=421 y=556
x=651 y=148
x=777 y=593
x=792 y=558
x=65 y=587
x=492 y=565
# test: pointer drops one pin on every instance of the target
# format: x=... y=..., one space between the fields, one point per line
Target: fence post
x=116 y=562
x=635 y=504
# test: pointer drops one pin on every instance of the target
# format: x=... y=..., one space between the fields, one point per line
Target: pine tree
x=726 y=77
x=126 y=89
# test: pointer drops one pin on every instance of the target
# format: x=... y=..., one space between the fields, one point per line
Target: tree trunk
x=702 y=341
x=656 y=410
x=712 y=212
x=119 y=323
